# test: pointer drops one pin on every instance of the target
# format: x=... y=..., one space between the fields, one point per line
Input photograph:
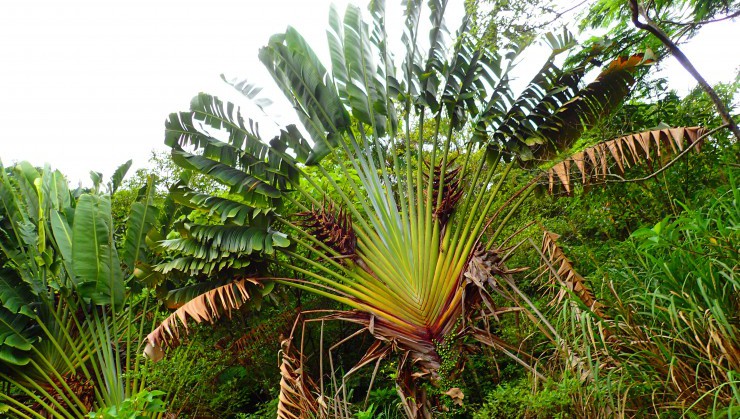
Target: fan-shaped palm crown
x=423 y=147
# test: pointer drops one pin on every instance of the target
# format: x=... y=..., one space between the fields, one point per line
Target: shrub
x=518 y=400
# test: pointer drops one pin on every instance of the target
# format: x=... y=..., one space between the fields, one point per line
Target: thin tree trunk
x=650 y=26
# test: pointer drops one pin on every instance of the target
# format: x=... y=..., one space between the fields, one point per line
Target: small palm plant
x=71 y=321
x=409 y=235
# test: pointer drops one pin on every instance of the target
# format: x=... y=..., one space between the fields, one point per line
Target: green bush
x=204 y=376
x=513 y=400
x=139 y=406
x=668 y=345
x=266 y=410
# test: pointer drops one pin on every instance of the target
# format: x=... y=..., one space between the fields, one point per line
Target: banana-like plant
x=409 y=238
x=70 y=331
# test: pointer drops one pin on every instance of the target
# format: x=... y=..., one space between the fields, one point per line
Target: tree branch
x=703 y=22
x=558 y=15
x=650 y=26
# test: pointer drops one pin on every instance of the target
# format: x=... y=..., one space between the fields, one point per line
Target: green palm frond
x=592 y=103
x=243 y=183
x=225 y=208
x=303 y=79
x=143 y=218
x=244 y=147
x=16 y=334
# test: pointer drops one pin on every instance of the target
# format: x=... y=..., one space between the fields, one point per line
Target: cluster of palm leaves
x=410 y=239
x=72 y=320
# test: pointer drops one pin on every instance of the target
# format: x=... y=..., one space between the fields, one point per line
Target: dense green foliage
x=85 y=274
x=73 y=316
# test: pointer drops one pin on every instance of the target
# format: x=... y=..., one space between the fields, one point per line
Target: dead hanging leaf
x=482 y=268
x=569 y=277
x=209 y=307
x=296 y=399
x=594 y=164
x=155 y=353
x=484 y=265
x=457 y=395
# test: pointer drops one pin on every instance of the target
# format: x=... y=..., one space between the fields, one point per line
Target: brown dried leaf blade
x=209 y=307
x=296 y=399
x=567 y=275
x=594 y=164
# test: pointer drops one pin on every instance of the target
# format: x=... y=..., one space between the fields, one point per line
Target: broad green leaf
x=142 y=218
x=94 y=257
x=97 y=179
x=118 y=176
x=364 y=89
x=63 y=237
x=303 y=79
x=15 y=338
x=436 y=56
x=15 y=295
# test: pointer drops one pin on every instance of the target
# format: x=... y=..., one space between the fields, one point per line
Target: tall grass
x=669 y=341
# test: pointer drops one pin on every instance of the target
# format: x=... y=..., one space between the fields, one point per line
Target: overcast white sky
x=87 y=85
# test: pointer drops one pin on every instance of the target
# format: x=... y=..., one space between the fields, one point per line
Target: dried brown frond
x=570 y=279
x=414 y=398
x=456 y=394
x=479 y=280
x=489 y=263
x=451 y=190
x=595 y=164
x=484 y=264
x=296 y=399
x=209 y=307
x=331 y=227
